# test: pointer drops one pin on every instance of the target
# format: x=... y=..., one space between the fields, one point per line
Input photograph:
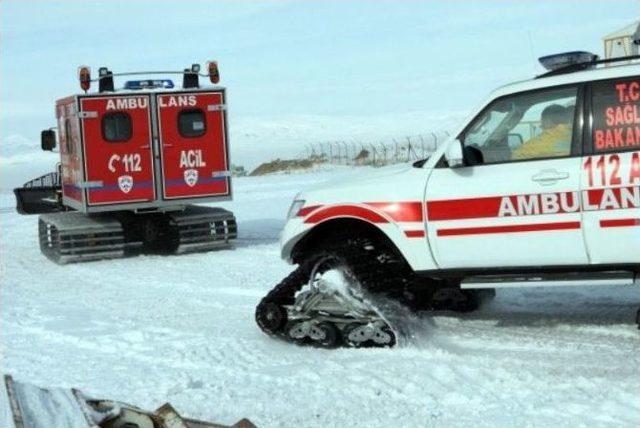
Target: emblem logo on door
x=125 y=182
x=191 y=177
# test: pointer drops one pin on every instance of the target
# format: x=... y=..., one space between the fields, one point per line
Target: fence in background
x=407 y=149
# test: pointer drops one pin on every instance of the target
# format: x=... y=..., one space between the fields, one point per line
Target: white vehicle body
x=577 y=212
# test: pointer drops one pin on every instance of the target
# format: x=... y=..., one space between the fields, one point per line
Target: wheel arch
x=344 y=227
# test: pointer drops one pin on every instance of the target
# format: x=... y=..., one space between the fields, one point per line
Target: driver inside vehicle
x=555 y=139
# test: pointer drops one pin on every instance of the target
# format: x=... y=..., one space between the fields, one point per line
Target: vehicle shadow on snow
x=258 y=232
x=545 y=307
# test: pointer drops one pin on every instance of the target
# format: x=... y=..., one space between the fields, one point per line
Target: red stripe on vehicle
x=305 y=211
x=620 y=222
x=460 y=209
x=400 y=211
x=539 y=227
x=346 y=211
x=616 y=198
x=414 y=233
x=612 y=198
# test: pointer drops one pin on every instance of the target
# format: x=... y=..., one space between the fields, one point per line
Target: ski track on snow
x=152 y=329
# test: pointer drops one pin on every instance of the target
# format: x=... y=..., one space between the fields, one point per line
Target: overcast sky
x=331 y=58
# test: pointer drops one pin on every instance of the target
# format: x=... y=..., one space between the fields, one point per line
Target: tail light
x=84 y=75
x=214 y=73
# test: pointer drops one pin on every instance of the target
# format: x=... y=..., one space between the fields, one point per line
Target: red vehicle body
x=144 y=156
x=156 y=166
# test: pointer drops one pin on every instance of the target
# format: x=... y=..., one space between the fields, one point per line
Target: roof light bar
x=189 y=76
x=148 y=84
x=566 y=59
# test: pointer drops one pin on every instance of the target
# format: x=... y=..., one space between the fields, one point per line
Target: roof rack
x=105 y=78
x=586 y=65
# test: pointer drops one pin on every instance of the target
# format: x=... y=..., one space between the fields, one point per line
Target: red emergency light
x=84 y=75
x=214 y=73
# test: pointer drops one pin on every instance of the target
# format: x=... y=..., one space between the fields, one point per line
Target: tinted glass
x=116 y=127
x=616 y=115
x=191 y=123
x=535 y=125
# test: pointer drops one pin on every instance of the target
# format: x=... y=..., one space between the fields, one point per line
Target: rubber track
x=382 y=279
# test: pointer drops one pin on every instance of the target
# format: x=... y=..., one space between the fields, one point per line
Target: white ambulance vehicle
x=540 y=187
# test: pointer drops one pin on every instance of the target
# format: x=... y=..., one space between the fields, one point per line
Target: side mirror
x=472 y=156
x=454 y=154
x=48 y=140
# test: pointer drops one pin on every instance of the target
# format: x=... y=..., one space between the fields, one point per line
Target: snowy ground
x=152 y=329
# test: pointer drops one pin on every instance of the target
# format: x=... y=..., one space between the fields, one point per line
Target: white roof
x=599 y=73
x=625 y=69
x=627 y=31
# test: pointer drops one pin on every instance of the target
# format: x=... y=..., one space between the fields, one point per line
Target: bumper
x=294 y=230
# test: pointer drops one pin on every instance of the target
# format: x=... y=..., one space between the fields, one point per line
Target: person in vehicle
x=555 y=139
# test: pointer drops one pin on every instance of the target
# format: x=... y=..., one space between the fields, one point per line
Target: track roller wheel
x=323 y=334
x=331 y=335
x=271 y=317
x=359 y=335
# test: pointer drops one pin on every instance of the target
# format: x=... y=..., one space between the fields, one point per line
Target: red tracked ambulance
x=133 y=162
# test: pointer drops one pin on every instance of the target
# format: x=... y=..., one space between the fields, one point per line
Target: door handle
x=146 y=146
x=549 y=176
x=167 y=145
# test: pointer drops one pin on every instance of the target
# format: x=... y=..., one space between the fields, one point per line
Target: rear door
x=70 y=152
x=611 y=173
x=193 y=146
x=118 y=157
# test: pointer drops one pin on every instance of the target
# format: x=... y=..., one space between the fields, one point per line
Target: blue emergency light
x=149 y=84
x=566 y=59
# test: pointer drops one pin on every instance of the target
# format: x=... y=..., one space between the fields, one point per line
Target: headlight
x=295 y=207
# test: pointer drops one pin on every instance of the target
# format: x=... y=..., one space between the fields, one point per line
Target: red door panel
x=193 y=145
x=118 y=150
x=70 y=151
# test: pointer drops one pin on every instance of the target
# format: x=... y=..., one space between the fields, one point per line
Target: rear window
x=191 y=123
x=116 y=127
x=616 y=115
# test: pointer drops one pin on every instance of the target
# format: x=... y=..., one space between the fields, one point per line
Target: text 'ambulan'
x=191 y=159
x=570 y=202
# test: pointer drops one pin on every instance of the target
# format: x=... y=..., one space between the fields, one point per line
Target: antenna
x=533 y=57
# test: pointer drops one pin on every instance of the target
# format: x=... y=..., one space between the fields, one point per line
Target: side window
x=191 y=123
x=533 y=125
x=68 y=137
x=116 y=127
x=616 y=115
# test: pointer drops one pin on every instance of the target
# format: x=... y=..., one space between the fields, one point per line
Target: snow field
x=152 y=329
